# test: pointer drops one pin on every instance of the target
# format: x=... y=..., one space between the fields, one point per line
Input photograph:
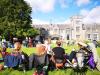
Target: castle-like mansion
x=76 y=30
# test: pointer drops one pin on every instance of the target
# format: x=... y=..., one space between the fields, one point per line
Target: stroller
x=86 y=56
x=77 y=61
x=80 y=59
x=80 y=67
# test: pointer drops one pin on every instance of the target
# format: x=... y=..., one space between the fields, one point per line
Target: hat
x=82 y=44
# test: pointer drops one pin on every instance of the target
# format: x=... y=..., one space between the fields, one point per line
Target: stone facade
x=76 y=30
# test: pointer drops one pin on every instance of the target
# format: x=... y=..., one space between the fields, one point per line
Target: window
x=55 y=30
x=83 y=26
x=88 y=36
x=77 y=22
x=77 y=29
x=68 y=37
x=77 y=36
x=95 y=36
x=67 y=30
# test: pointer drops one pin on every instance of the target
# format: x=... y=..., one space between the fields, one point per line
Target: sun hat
x=82 y=44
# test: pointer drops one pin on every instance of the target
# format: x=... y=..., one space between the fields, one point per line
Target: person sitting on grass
x=1 y=57
x=59 y=55
x=17 y=59
x=17 y=48
x=39 y=60
x=14 y=58
x=3 y=52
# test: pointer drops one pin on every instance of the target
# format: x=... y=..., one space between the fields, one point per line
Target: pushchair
x=80 y=59
x=80 y=67
x=76 y=62
x=85 y=59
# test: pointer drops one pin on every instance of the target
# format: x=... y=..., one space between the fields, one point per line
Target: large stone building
x=76 y=30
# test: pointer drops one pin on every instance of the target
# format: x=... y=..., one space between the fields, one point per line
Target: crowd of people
x=47 y=58
x=27 y=42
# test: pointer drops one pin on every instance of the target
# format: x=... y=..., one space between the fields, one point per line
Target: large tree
x=15 y=17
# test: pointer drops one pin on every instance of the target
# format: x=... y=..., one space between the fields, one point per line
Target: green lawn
x=59 y=72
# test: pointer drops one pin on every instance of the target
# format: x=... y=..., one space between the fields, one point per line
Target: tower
x=77 y=27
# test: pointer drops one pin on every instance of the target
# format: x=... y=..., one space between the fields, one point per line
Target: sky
x=60 y=11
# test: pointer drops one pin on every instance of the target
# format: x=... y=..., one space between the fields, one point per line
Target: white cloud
x=37 y=21
x=84 y=12
x=93 y=16
x=82 y=2
x=46 y=5
x=42 y=5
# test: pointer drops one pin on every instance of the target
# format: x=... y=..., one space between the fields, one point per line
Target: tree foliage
x=15 y=18
x=32 y=32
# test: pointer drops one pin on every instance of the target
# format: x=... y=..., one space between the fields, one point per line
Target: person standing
x=30 y=43
x=48 y=46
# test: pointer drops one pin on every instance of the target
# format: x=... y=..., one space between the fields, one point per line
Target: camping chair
x=59 y=63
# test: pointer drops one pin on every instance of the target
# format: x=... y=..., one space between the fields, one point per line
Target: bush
x=87 y=41
x=98 y=43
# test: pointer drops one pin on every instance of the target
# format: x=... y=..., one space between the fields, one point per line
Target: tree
x=32 y=32
x=15 y=17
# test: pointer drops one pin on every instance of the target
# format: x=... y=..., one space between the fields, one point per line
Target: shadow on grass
x=77 y=71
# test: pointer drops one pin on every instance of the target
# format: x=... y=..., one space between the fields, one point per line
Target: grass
x=55 y=72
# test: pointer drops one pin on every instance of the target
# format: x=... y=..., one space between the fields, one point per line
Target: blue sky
x=59 y=11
